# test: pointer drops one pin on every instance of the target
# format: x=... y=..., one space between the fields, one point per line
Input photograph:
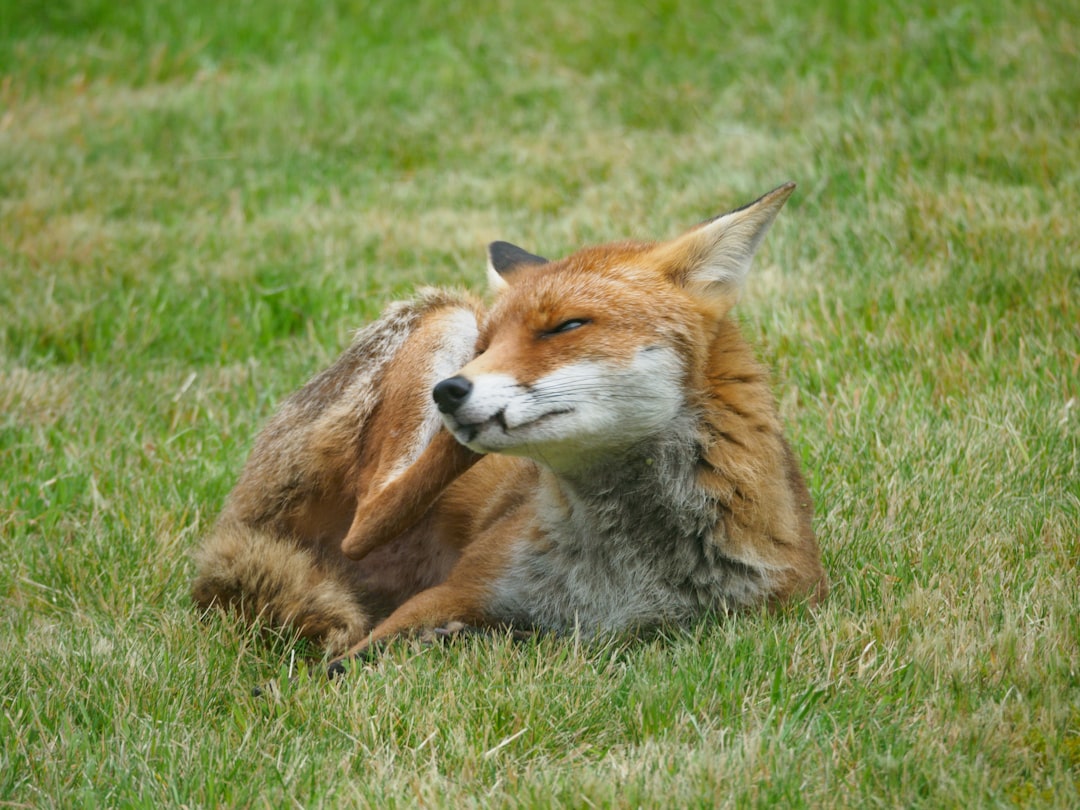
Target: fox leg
x=408 y=457
x=395 y=505
x=435 y=607
x=466 y=595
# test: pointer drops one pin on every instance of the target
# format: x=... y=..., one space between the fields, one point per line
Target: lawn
x=199 y=201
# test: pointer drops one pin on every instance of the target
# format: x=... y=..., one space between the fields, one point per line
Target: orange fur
x=612 y=456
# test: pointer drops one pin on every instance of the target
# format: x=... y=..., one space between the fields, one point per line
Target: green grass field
x=200 y=200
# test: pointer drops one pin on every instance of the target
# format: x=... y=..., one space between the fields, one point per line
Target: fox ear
x=713 y=259
x=504 y=259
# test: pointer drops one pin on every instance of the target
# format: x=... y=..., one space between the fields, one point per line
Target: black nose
x=451 y=393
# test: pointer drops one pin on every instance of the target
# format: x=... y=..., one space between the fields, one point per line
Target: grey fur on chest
x=628 y=545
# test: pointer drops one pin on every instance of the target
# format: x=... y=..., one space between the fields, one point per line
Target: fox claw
x=455 y=629
x=339 y=668
x=336 y=669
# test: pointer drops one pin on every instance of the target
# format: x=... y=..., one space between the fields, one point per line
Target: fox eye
x=567 y=326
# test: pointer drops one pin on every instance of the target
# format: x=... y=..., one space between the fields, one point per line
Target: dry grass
x=198 y=203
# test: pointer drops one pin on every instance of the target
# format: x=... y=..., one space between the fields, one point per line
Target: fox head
x=583 y=357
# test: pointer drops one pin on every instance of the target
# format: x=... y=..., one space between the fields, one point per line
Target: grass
x=199 y=201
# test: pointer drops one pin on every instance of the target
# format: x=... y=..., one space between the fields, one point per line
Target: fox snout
x=451 y=393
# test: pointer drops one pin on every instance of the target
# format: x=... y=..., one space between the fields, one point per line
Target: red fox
x=596 y=451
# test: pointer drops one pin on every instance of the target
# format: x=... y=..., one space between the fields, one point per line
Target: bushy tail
x=270 y=579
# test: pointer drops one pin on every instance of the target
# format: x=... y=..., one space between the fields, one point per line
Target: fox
x=596 y=450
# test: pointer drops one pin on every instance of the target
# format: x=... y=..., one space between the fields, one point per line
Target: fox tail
x=269 y=579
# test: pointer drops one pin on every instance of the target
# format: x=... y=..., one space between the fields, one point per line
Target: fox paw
x=341 y=667
x=455 y=629
x=446 y=632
